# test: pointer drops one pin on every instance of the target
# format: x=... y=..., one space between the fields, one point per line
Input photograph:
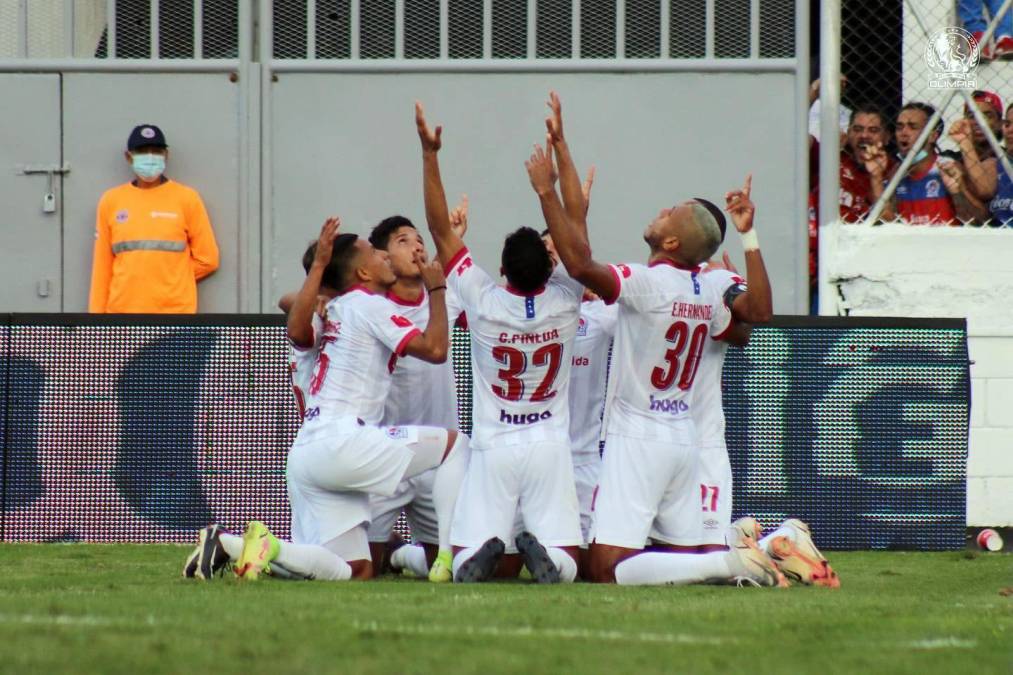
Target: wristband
x=437 y=288
x=750 y=242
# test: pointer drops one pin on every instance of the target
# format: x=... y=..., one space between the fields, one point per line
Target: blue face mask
x=148 y=166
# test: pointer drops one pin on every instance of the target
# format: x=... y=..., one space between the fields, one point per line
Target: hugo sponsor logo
x=523 y=418
x=312 y=413
x=673 y=407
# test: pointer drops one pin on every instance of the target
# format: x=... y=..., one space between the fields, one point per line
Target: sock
x=282 y=573
x=232 y=543
x=463 y=555
x=412 y=558
x=782 y=531
x=566 y=565
x=447 y=484
x=312 y=562
x=673 y=569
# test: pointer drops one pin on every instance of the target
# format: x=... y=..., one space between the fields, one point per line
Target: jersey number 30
x=678 y=334
x=516 y=363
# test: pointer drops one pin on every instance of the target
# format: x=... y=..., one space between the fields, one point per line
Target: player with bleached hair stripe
x=648 y=488
x=521 y=350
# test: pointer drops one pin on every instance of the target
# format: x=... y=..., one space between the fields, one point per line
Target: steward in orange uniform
x=153 y=239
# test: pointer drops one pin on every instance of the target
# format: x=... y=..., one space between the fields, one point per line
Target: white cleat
x=799 y=559
x=750 y=565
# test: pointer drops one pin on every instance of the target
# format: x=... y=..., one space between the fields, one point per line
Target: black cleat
x=481 y=566
x=537 y=559
x=211 y=556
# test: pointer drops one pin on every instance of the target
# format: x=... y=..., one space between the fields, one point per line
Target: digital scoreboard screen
x=144 y=429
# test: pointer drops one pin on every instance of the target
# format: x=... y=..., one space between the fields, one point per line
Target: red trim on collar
x=398 y=300
x=357 y=287
x=463 y=251
x=672 y=263
x=514 y=291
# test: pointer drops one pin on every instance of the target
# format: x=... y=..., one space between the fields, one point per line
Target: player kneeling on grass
x=340 y=455
x=521 y=350
x=648 y=489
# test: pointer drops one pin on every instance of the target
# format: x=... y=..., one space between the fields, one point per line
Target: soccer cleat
x=211 y=556
x=537 y=559
x=260 y=547
x=190 y=566
x=481 y=566
x=442 y=570
x=750 y=565
x=748 y=527
x=800 y=560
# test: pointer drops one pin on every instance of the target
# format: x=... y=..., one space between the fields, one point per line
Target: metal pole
x=802 y=157
x=68 y=28
x=311 y=29
x=830 y=151
x=444 y=29
x=353 y=30
x=620 y=29
x=754 y=29
x=153 y=17
x=532 y=26
x=575 y=29
x=266 y=143
x=198 y=29
x=487 y=30
x=23 y=29
x=666 y=28
x=709 y=29
x=399 y=30
x=110 y=29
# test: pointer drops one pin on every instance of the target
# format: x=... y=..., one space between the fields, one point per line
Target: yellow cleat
x=442 y=570
x=260 y=547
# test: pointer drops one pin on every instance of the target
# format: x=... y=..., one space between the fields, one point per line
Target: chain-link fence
x=122 y=29
x=923 y=95
x=534 y=29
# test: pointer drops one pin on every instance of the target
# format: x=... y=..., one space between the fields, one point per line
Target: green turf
x=125 y=609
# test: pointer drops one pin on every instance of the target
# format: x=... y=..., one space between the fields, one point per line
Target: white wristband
x=750 y=241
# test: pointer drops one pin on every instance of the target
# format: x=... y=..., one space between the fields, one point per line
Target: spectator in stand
x=1000 y=207
x=153 y=239
x=921 y=197
x=976 y=152
x=866 y=137
x=972 y=15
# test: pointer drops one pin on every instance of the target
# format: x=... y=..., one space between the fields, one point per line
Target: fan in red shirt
x=867 y=132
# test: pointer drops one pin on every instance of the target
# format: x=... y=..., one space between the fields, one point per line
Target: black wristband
x=437 y=288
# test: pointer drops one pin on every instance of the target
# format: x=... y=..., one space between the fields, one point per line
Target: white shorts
x=332 y=468
x=415 y=497
x=535 y=479
x=647 y=490
x=585 y=478
x=715 y=472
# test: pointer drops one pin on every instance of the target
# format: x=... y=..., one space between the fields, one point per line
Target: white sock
x=447 y=484
x=566 y=565
x=782 y=531
x=410 y=557
x=463 y=555
x=312 y=562
x=655 y=568
x=232 y=543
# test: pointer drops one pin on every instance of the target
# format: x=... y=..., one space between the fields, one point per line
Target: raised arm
x=756 y=305
x=574 y=202
x=434 y=343
x=300 y=315
x=448 y=243
x=570 y=241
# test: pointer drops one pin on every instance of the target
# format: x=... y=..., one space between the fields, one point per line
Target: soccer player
x=595 y=331
x=340 y=454
x=521 y=350
x=420 y=394
x=648 y=487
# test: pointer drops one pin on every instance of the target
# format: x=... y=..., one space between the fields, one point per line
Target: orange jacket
x=151 y=247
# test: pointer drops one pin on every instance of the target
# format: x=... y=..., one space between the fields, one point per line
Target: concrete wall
x=347 y=145
x=898 y=270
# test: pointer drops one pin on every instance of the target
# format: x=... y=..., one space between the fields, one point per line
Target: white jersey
x=521 y=350
x=301 y=362
x=595 y=330
x=422 y=393
x=363 y=334
x=708 y=413
x=666 y=316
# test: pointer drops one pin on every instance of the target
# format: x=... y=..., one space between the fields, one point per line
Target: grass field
x=125 y=609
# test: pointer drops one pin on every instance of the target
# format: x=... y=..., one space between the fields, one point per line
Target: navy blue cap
x=146 y=135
